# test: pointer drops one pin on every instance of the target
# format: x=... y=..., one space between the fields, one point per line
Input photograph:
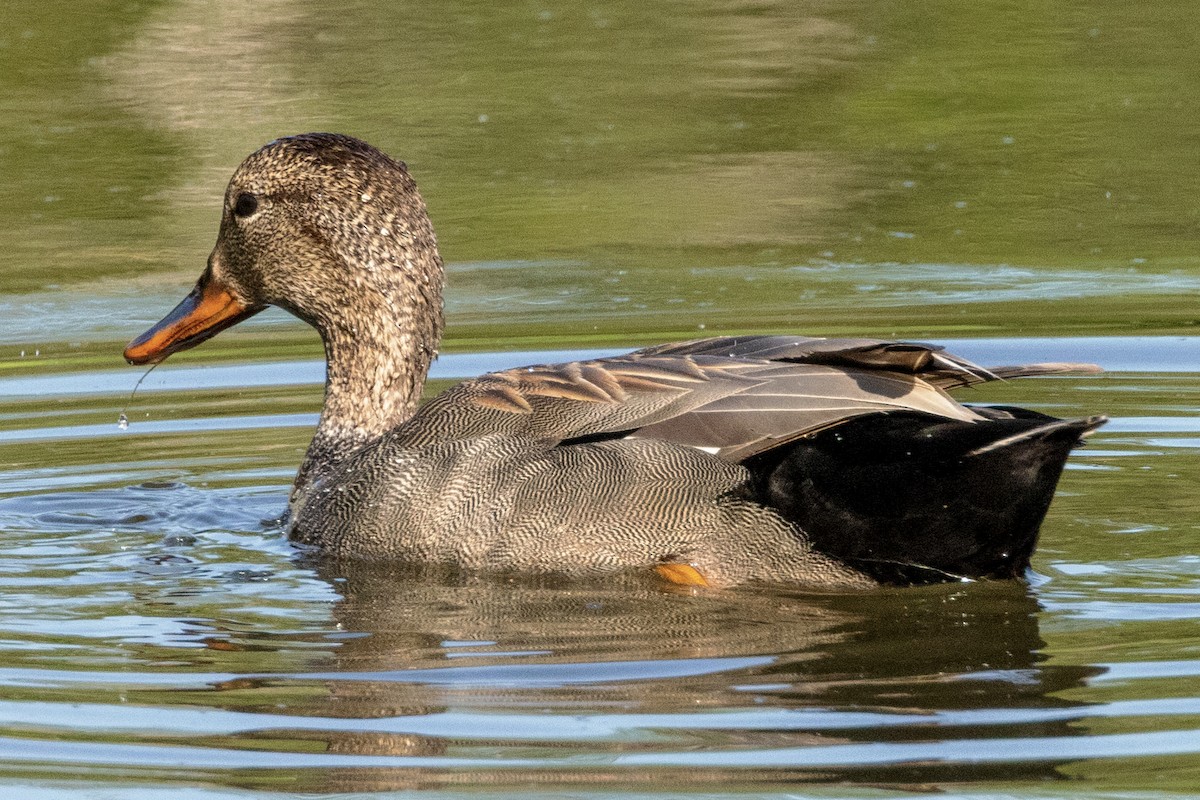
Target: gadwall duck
x=817 y=462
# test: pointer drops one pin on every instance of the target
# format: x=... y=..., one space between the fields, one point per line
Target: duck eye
x=245 y=205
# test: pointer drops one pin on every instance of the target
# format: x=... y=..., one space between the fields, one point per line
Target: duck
x=820 y=463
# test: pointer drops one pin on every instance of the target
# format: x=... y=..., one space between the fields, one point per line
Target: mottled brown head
x=318 y=224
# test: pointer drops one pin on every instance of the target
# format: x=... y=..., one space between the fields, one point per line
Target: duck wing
x=931 y=362
x=731 y=396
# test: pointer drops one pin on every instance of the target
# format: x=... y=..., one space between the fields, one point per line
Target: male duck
x=822 y=462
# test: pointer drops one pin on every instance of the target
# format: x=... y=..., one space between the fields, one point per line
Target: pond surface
x=158 y=629
x=1015 y=179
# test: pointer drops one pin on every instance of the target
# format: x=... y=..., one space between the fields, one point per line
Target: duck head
x=324 y=226
x=333 y=230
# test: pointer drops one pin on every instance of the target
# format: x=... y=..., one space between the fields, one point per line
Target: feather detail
x=503 y=398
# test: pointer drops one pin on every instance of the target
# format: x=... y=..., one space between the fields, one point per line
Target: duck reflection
x=662 y=671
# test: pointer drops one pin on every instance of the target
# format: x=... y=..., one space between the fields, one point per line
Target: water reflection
x=578 y=674
x=635 y=143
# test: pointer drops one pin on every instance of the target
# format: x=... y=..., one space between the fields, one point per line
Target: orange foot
x=681 y=574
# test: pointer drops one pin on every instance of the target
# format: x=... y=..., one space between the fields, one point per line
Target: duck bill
x=208 y=310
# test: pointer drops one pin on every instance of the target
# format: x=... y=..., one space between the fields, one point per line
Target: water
x=159 y=630
x=1012 y=178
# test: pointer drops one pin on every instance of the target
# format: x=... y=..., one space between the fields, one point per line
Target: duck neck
x=377 y=353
